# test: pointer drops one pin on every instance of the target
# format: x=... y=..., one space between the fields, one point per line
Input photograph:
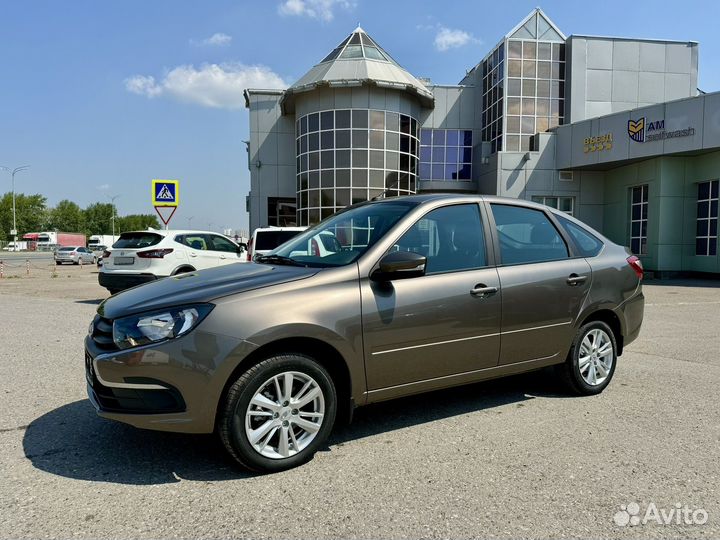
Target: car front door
x=440 y=324
x=224 y=250
x=543 y=286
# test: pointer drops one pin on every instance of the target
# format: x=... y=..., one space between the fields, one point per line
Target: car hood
x=200 y=286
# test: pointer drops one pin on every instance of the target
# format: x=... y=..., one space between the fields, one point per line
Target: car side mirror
x=400 y=265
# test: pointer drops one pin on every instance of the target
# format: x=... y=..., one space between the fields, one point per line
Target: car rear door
x=543 y=284
x=198 y=250
x=439 y=324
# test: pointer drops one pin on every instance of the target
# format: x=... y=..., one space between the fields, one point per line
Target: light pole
x=112 y=202
x=190 y=221
x=13 y=172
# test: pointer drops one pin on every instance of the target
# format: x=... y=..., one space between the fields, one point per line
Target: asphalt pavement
x=503 y=459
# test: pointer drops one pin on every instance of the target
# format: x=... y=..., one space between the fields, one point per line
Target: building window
x=535 y=91
x=281 y=212
x=445 y=154
x=347 y=156
x=564 y=204
x=707 y=218
x=638 y=219
x=493 y=86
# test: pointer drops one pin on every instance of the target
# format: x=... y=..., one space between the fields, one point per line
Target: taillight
x=315 y=248
x=636 y=265
x=249 y=250
x=106 y=255
x=154 y=253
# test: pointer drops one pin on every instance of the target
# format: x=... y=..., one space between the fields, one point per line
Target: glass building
x=610 y=130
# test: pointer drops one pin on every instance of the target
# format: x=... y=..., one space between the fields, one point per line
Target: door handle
x=193 y=254
x=481 y=290
x=574 y=279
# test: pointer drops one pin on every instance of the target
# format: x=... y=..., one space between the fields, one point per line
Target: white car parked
x=265 y=239
x=141 y=256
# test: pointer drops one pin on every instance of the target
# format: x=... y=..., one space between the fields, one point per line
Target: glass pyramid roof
x=356 y=61
x=359 y=45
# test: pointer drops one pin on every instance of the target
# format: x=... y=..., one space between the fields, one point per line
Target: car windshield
x=342 y=238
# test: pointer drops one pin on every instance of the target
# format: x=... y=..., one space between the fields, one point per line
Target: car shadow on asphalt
x=95 y=301
x=72 y=441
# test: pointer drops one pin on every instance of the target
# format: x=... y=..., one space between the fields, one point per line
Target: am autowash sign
x=643 y=130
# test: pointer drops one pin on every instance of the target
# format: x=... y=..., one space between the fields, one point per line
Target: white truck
x=16 y=246
x=97 y=240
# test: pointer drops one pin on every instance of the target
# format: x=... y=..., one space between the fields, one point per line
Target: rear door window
x=587 y=244
x=526 y=235
x=194 y=241
x=137 y=240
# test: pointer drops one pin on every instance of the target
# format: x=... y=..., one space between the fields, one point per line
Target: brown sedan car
x=406 y=295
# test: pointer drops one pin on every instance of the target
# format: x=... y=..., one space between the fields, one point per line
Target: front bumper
x=174 y=385
x=119 y=282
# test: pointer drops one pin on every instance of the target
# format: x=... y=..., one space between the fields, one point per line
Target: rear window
x=267 y=240
x=67 y=249
x=137 y=240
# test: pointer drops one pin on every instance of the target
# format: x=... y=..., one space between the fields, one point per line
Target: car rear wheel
x=591 y=362
x=278 y=413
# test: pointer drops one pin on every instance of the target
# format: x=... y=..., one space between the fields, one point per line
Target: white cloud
x=211 y=85
x=143 y=85
x=104 y=187
x=217 y=40
x=315 y=9
x=450 y=38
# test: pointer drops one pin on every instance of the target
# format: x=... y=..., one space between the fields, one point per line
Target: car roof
x=428 y=198
x=163 y=232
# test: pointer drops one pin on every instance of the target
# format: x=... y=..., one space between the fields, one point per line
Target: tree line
x=34 y=215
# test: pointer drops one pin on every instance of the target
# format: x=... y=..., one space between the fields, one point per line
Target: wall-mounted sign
x=641 y=131
x=598 y=144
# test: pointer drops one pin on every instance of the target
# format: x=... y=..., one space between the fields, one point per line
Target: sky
x=99 y=98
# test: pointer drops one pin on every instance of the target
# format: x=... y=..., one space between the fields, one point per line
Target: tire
x=276 y=419
x=586 y=363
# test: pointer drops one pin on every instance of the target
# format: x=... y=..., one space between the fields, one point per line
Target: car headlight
x=157 y=326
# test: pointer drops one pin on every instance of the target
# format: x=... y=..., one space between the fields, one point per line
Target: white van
x=265 y=239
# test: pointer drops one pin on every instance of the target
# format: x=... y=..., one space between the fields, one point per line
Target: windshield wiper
x=278 y=259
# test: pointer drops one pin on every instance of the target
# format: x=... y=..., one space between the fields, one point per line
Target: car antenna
x=387 y=190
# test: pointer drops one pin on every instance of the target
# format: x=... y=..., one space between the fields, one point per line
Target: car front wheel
x=591 y=362
x=278 y=413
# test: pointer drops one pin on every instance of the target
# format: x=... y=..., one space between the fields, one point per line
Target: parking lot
x=504 y=459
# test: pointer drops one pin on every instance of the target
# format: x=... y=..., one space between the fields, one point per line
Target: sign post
x=165 y=195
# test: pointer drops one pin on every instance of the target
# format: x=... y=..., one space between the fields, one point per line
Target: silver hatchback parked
x=418 y=293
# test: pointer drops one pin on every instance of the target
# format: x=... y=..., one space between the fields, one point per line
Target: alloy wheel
x=285 y=415
x=596 y=357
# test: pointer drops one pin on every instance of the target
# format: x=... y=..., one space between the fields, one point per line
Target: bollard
x=80 y=259
x=27 y=266
x=2 y=269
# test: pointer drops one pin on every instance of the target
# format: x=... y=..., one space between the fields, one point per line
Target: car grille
x=102 y=334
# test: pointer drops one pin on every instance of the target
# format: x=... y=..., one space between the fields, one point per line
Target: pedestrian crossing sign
x=165 y=192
